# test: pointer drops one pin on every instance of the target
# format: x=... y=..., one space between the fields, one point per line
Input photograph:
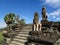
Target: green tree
x=9 y=19
x=22 y=22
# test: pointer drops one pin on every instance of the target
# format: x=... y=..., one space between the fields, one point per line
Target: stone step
x=24 y=35
x=17 y=30
x=32 y=44
x=26 y=30
x=23 y=32
x=20 y=37
x=20 y=40
x=57 y=42
x=28 y=27
x=16 y=43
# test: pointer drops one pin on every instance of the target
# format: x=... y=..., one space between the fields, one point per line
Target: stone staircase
x=21 y=37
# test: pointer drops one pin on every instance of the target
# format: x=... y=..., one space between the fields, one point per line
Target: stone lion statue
x=36 y=23
x=44 y=16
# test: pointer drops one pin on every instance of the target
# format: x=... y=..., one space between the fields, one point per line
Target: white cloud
x=24 y=17
x=2 y=25
x=54 y=14
x=53 y=3
x=58 y=19
x=47 y=14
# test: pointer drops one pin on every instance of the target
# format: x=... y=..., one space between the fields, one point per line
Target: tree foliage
x=22 y=22
x=9 y=18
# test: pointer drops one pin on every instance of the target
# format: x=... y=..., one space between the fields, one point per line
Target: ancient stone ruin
x=44 y=33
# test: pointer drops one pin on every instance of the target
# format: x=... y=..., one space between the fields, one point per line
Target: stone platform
x=43 y=37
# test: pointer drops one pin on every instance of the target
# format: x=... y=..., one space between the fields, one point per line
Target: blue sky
x=26 y=8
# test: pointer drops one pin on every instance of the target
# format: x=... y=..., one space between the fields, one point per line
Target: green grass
x=1 y=37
